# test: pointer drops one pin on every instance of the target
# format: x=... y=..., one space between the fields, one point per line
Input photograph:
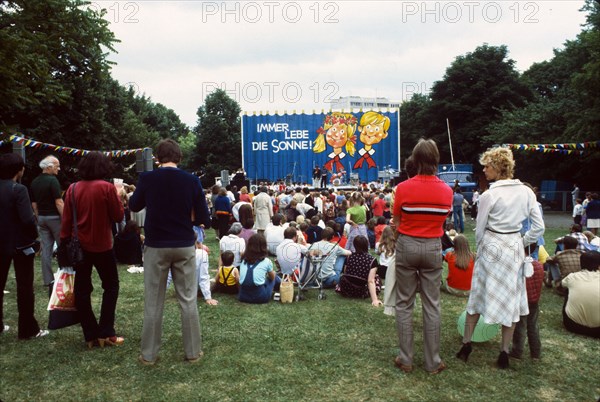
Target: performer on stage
x=317 y=177
x=324 y=176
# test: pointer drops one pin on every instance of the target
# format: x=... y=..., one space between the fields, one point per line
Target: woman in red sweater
x=98 y=207
x=421 y=205
x=460 y=267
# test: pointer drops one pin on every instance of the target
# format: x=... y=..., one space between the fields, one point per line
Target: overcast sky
x=286 y=55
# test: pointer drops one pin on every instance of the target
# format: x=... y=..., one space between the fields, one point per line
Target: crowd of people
x=367 y=241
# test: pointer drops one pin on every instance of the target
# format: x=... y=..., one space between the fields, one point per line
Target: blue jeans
x=339 y=265
x=459 y=224
x=259 y=294
x=331 y=281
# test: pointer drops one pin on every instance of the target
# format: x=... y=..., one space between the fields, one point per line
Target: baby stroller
x=309 y=275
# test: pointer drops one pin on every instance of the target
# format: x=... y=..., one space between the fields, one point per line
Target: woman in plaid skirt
x=498 y=287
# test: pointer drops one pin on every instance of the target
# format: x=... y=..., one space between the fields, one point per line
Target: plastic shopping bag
x=63 y=292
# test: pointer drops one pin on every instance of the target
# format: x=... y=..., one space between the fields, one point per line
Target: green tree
x=188 y=143
x=219 y=137
x=414 y=122
x=43 y=46
x=474 y=90
x=565 y=109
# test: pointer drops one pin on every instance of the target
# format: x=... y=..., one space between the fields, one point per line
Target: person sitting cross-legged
x=329 y=252
x=360 y=279
x=274 y=233
x=234 y=243
x=257 y=277
x=289 y=251
x=581 y=314
x=563 y=263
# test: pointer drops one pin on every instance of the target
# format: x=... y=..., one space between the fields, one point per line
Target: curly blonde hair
x=501 y=159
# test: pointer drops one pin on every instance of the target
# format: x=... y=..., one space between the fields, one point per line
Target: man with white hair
x=48 y=207
x=234 y=243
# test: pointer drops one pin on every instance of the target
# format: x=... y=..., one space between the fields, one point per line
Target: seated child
x=313 y=233
x=387 y=213
x=381 y=225
x=247 y=229
x=386 y=248
x=460 y=267
x=202 y=273
x=303 y=228
x=128 y=245
x=360 y=278
x=341 y=218
x=371 y=232
x=227 y=279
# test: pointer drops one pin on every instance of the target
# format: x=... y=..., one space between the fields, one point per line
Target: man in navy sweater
x=174 y=202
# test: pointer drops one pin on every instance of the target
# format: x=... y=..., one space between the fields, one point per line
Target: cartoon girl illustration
x=338 y=131
x=373 y=128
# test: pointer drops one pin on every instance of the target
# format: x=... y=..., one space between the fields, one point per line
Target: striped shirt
x=422 y=204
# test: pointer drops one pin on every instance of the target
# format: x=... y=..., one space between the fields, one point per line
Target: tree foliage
x=474 y=90
x=565 y=109
x=44 y=45
x=56 y=85
x=488 y=102
x=219 y=137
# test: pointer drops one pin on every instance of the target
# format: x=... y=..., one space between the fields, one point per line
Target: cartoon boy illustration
x=373 y=128
x=338 y=131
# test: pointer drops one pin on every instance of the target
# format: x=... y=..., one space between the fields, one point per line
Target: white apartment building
x=358 y=102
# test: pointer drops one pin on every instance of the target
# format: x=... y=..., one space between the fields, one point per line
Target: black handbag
x=72 y=253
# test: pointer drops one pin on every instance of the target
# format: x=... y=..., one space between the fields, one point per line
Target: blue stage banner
x=290 y=146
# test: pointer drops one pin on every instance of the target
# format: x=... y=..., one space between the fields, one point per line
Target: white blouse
x=505 y=206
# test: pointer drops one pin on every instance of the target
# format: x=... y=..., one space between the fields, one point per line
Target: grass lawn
x=334 y=349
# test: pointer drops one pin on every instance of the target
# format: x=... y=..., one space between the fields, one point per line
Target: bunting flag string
x=31 y=143
x=575 y=148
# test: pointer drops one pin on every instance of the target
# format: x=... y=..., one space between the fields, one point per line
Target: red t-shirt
x=342 y=241
x=422 y=202
x=378 y=232
x=378 y=207
x=458 y=278
x=98 y=207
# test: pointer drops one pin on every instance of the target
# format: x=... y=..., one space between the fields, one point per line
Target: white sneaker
x=43 y=332
x=6 y=328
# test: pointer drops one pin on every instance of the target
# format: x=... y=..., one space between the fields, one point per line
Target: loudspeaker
x=143 y=160
x=224 y=178
x=19 y=149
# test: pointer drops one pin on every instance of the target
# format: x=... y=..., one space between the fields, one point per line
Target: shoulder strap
x=226 y=278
